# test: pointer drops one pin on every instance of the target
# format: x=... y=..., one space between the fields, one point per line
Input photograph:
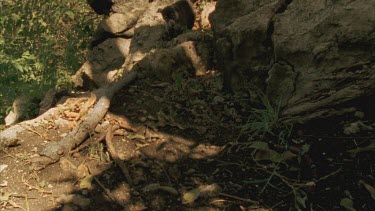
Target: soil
x=188 y=145
x=186 y=148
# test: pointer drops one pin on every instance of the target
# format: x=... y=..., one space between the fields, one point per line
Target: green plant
x=41 y=44
x=265 y=121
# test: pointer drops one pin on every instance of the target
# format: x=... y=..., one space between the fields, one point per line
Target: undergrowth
x=262 y=132
x=41 y=44
x=264 y=121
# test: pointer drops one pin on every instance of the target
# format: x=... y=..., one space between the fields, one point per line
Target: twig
x=15 y=205
x=277 y=204
x=340 y=137
x=87 y=143
x=31 y=187
x=105 y=189
x=165 y=172
x=36 y=132
x=26 y=200
x=126 y=127
x=239 y=198
x=328 y=175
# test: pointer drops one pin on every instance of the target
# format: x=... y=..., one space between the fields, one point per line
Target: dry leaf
x=4 y=197
x=68 y=166
x=368 y=148
x=347 y=204
x=269 y=155
x=369 y=188
x=259 y=145
x=82 y=171
x=191 y=196
x=86 y=182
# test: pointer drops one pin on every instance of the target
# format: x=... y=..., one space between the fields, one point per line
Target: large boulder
x=310 y=55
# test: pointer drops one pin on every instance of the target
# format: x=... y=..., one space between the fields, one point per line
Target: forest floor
x=190 y=146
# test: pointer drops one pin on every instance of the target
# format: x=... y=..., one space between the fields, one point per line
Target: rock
x=208 y=8
x=100 y=67
x=199 y=56
x=24 y=107
x=119 y=23
x=50 y=99
x=280 y=82
x=129 y=6
x=313 y=54
x=188 y=57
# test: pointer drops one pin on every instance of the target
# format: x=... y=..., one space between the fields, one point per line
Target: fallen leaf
x=347 y=204
x=305 y=148
x=269 y=155
x=191 y=196
x=4 y=184
x=136 y=136
x=4 y=197
x=209 y=190
x=368 y=148
x=160 y=85
x=259 y=145
x=151 y=187
x=157 y=186
x=14 y=204
x=82 y=171
x=42 y=184
x=301 y=199
x=86 y=182
x=3 y=167
x=169 y=190
x=68 y=166
x=369 y=188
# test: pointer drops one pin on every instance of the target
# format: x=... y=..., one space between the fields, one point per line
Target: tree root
x=56 y=149
x=9 y=137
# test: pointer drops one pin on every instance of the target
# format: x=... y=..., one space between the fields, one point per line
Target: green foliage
x=265 y=121
x=41 y=44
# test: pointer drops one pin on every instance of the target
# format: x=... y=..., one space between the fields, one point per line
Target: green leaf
x=301 y=198
x=306 y=148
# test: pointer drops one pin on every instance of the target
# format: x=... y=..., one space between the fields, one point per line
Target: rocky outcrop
x=314 y=56
x=102 y=63
x=136 y=31
x=24 y=107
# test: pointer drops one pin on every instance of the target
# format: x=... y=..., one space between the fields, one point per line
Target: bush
x=42 y=42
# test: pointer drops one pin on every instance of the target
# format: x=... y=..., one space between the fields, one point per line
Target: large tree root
x=56 y=149
x=149 y=35
x=10 y=136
